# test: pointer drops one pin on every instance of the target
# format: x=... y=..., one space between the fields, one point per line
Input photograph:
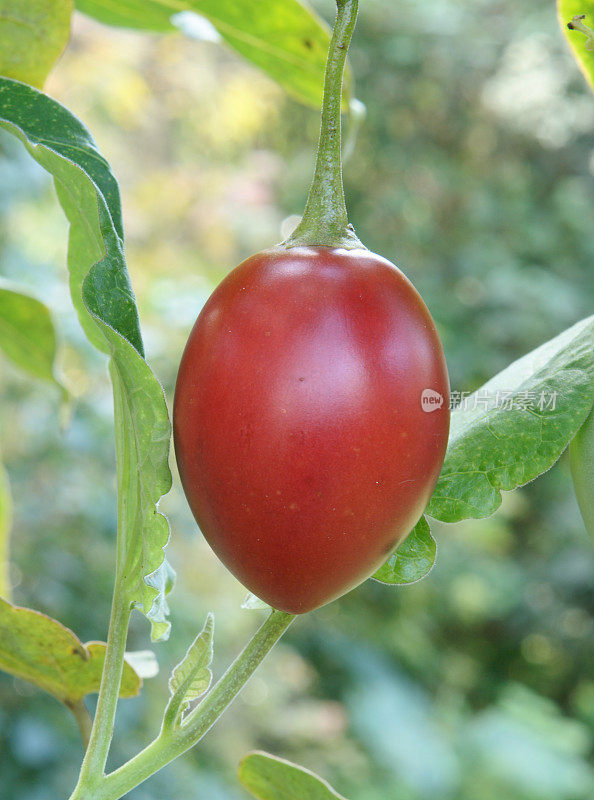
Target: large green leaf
x=267 y=777
x=41 y=650
x=413 y=559
x=33 y=34
x=106 y=307
x=27 y=334
x=5 y=523
x=516 y=426
x=284 y=38
x=582 y=46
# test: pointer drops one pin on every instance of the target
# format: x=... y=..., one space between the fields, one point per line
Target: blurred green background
x=473 y=172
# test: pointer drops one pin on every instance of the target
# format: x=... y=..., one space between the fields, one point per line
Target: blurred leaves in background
x=270 y=778
x=27 y=333
x=32 y=37
x=283 y=38
x=473 y=172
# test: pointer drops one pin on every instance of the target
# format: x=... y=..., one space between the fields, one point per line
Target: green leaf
x=516 y=426
x=413 y=559
x=27 y=334
x=42 y=651
x=283 y=38
x=5 y=524
x=192 y=677
x=581 y=458
x=33 y=35
x=267 y=777
x=582 y=46
x=105 y=303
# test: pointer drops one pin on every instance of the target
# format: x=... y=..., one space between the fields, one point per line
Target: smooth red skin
x=302 y=446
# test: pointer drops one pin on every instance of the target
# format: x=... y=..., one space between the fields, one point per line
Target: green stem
x=325 y=222
x=93 y=766
x=170 y=744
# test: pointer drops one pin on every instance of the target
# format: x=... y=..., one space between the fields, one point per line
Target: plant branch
x=93 y=766
x=325 y=222
x=170 y=744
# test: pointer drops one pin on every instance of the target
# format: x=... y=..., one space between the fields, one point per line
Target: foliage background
x=473 y=172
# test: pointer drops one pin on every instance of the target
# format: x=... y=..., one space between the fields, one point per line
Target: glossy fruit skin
x=302 y=445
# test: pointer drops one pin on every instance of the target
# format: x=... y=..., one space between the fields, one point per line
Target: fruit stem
x=325 y=220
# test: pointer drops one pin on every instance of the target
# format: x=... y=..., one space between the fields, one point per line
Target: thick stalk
x=170 y=744
x=325 y=222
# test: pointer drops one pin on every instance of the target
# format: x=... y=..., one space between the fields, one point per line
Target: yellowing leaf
x=41 y=650
x=33 y=34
